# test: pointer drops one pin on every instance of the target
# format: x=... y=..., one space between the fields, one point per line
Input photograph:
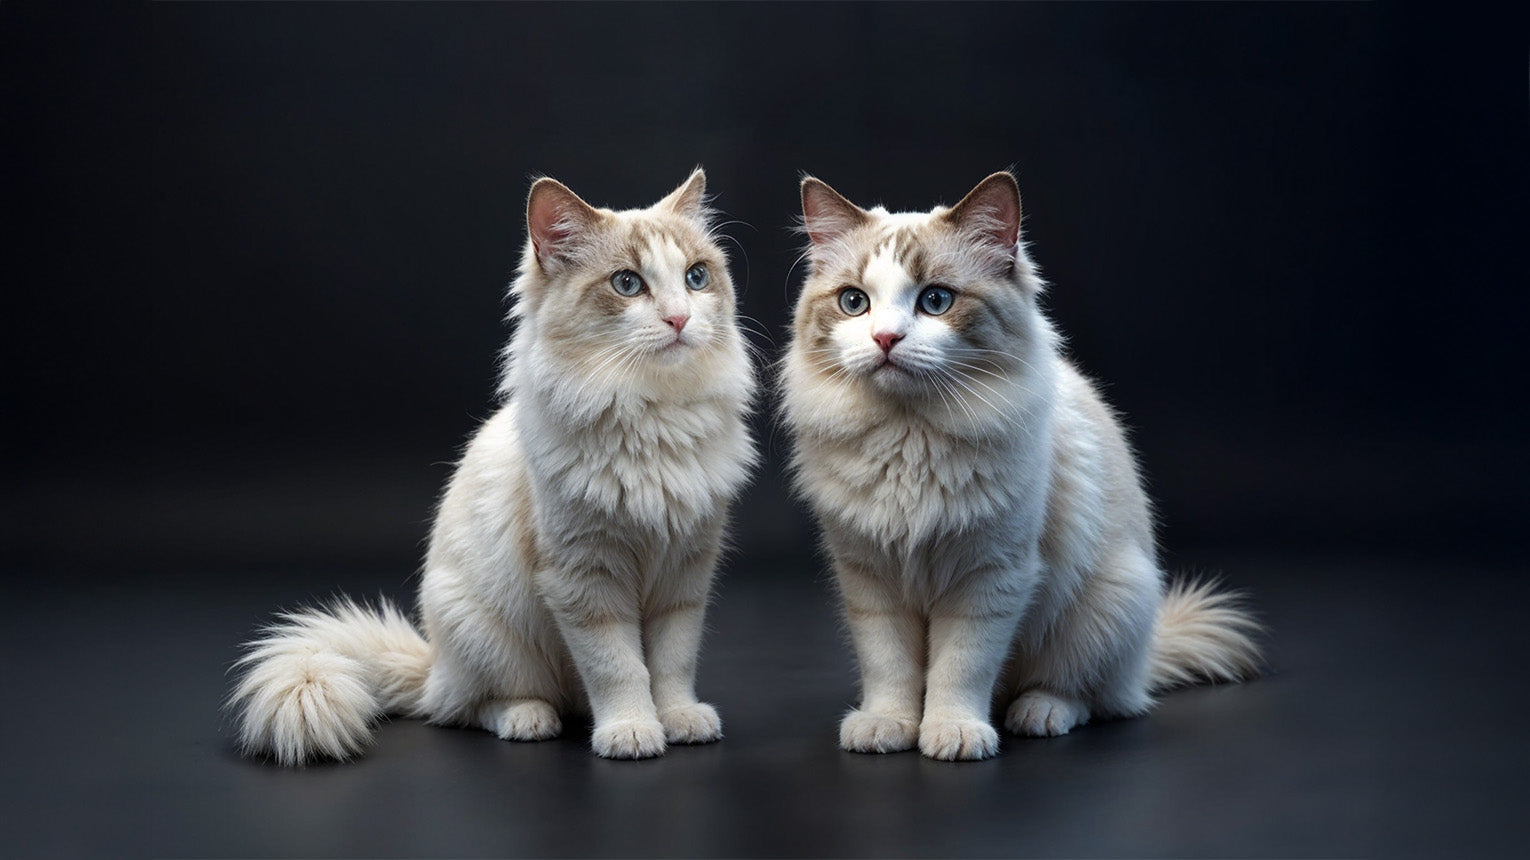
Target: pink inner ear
x=1007 y=214
x=548 y=238
x=813 y=218
x=1000 y=213
x=548 y=224
x=826 y=215
x=820 y=229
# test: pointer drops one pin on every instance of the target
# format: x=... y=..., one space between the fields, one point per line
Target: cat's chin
x=894 y=379
x=680 y=369
x=674 y=352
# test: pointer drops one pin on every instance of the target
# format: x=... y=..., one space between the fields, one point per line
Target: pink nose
x=886 y=340
x=677 y=322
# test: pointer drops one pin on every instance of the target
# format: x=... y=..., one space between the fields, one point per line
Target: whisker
x=979 y=349
x=787 y=284
x=941 y=392
x=966 y=407
x=964 y=364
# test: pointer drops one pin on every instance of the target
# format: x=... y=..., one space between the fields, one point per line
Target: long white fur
x=983 y=512
x=574 y=548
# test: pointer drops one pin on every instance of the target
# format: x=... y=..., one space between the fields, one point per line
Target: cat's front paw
x=867 y=732
x=1040 y=714
x=696 y=723
x=629 y=739
x=958 y=740
x=526 y=720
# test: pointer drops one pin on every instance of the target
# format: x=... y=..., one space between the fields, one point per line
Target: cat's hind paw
x=629 y=739
x=867 y=732
x=958 y=740
x=523 y=720
x=1039 y=714
x=696 y=723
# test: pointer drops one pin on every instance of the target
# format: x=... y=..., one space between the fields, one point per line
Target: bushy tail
x=317 y=679
x=1203 y=635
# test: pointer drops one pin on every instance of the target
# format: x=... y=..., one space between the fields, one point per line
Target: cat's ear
x=556 y=219
x=826 y=215
x=690 y=199
x=990 y=213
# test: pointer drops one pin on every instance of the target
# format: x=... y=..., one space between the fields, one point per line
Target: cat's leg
x=491 y=673
x=672 y=630
x=971 y=632
x=1092 y=658
x=529 y=684
x=889 y=648
x=596 y=613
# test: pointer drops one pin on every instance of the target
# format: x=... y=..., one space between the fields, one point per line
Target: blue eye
x=697 y=277
x=627 y=283
x=853 y=301
x=936 y=300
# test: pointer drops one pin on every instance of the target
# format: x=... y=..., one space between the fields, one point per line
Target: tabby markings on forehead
x=904 y=246
x=664 y=254
x=883 y=271
x=646 y=230
x=657 y=253
x=912 y=253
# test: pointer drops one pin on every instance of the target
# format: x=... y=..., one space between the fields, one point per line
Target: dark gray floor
x=1388 y=727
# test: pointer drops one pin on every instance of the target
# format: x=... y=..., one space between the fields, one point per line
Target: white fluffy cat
x=574 y=549
x=987 y=526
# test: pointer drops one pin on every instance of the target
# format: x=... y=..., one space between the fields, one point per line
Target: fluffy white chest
x=902 y=483
x=654 y=465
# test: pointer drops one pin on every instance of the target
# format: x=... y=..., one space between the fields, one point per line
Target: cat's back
x=1096 y=492
x=485 y=510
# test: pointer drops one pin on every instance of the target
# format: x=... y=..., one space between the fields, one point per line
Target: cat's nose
x=677 y=322
x=886 y=339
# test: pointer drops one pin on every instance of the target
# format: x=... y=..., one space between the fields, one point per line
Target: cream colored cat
x=987 y=526
x=574 y=550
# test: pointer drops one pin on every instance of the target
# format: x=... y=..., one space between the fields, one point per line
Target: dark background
x=255 y=255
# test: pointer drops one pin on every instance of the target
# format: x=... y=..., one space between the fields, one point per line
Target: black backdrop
x=255 y=254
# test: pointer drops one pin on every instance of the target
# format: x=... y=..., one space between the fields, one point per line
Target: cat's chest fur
x=647 y=465
x=902 y=483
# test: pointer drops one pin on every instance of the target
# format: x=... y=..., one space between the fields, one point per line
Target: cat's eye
x=853 y=301
x=936 y=300
x=697 y=277
x=627 y=282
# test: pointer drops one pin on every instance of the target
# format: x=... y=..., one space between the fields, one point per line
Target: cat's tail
x=317 y=679
x=1203 y=634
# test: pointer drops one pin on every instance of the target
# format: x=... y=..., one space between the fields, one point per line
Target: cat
x=988 y=530
x=574 y=549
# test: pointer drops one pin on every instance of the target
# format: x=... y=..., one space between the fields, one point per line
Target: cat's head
x=622 y=299
x=933 y=308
